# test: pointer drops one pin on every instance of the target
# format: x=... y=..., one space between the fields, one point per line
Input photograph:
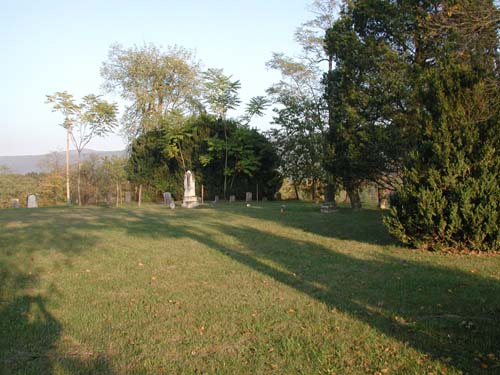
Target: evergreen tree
x=451 y=188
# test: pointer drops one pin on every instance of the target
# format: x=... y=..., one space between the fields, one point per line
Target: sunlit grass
x=230 y=289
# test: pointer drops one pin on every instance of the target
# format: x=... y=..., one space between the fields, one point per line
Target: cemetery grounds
x=230 y=289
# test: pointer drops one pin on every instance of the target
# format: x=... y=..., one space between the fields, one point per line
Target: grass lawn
x=230 y=289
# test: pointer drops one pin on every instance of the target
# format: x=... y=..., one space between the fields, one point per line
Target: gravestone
x=167 y=198
x=172 y=205
x=216 y=199
x=248 y=197
x=14 y=203
x=109 y=198
x=329 y=205
x=128 y=197
x=232 y=198
x=31 y=201
x=190 y=200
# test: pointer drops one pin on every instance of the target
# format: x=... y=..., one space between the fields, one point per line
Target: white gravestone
x=248 y=197
x=232 y=198
x=31 y=201
x=189 y=200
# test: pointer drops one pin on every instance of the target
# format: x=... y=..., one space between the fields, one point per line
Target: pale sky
x=57 y=45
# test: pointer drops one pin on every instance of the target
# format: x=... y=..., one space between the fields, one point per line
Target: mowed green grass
x=230 y=289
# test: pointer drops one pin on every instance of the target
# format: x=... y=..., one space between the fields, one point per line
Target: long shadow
x=29 y=333
x=439 y=311
x=345 y=224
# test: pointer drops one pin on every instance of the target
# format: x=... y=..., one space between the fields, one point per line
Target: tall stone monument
x=190 y=200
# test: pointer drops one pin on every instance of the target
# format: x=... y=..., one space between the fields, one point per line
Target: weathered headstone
x=128 y=197
x=109 y=198
x=14 y=203
x=216 y=199
x=329 y=205
x=31 y=201
x=190 y=200
x=167 y=198
x=232 y=198
x=248 y=197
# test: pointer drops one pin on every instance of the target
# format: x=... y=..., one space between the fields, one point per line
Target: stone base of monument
x=190 y=202
x=328 y=208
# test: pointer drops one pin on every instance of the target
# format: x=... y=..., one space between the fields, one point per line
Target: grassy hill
x=35 y=163
x=230 y=289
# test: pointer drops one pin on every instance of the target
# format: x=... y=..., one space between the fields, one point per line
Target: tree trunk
x=78 y=178
x=182 y=157
x=313 y=190
x=225 y=160
x=139 y=201
x=68 y=196
x=296 y=189
x=354 y=197
x=117 y=194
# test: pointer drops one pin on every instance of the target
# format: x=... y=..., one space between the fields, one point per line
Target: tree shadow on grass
x=28 y=342
x=448 y=314
x=29 y=333
x=344 y=224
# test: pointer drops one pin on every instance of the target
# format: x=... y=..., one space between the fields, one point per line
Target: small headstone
x=216 y=199
x=167 y=198
x=172 y=205
x=14 y=203
x=109 y=198
x=328 y=207
x=31 y=201
x=128 y=197
x=283 y=209
x=248 y=197
x=232 y=198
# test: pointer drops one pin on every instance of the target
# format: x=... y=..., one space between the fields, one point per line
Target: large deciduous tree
x=154 y=83
x=301 y=111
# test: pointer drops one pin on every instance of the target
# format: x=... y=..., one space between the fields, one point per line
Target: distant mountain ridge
x=23 y=164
